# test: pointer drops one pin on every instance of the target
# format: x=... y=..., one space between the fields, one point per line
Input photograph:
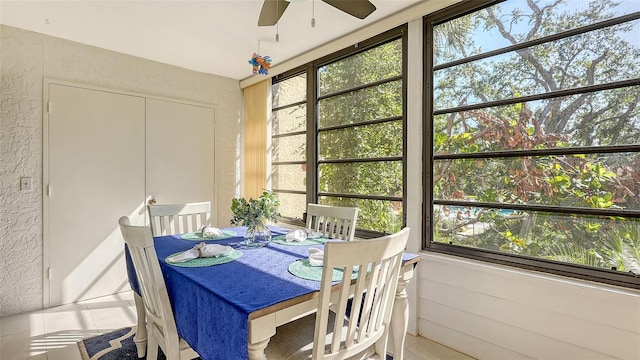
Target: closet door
x=180 y=152
x=96 y=173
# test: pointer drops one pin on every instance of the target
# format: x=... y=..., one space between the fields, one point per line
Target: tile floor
x=52 y=334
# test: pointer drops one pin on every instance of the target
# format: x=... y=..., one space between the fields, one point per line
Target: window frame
x=602 y=275
x=313 y=130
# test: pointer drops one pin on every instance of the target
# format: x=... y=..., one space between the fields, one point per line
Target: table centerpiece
x=254 y=214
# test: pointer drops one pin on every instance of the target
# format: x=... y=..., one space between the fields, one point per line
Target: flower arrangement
x=255 y=211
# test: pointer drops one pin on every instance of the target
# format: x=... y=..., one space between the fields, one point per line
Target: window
x=533 y=122
x=360 y=134
x=354 y=143
x=289 y=144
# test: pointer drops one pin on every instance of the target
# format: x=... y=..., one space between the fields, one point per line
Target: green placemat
x=302 y=269
x=281 y=239
x=197 y=236
x=208 y=261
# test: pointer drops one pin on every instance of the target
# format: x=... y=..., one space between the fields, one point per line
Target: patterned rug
x=117 y=345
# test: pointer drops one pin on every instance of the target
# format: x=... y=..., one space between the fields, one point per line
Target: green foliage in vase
x=255 y=211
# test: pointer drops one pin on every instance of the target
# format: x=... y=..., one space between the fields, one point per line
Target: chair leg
x=152 y=348
x=400 y=318
x=140 y=339
x=381 y=345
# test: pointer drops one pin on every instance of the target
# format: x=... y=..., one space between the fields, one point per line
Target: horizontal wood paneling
x=513 y=326
x=606 y=306
x=535 y=318
x=528 y=313
x=467 y=344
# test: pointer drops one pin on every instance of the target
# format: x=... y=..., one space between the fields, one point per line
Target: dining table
x=229 y=309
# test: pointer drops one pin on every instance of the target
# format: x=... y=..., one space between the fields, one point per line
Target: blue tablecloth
x=212 y=304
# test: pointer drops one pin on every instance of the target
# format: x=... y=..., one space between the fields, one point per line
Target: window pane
x=591 y=181
x=289 y=91
x=289 y=119
x=362 y=142
x=289 y=177
x=463 y=84
x=292 y=205
x=378 y=102
x=289 y=148
x=369 y=178
x=468 y=35
x=593 y=119
x=379 y=63
x=602 y=242
x=375 y=215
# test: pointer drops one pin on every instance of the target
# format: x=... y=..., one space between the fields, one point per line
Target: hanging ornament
x=261 y=64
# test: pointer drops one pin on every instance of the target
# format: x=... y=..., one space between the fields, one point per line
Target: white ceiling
x=210 y=36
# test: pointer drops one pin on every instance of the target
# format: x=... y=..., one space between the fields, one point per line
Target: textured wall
x=28 y=57
x=20 y=155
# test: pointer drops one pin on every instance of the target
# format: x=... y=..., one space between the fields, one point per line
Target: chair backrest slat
x=336 y=222
x=375 y=264
x=179 y=218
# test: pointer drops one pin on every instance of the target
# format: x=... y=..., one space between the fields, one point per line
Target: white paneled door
x=96 y=174
x=106 y=154
x=180 y=152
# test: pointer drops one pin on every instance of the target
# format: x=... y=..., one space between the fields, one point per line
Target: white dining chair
x=364 y=330
x=179 y=218
x=169 y=220
x=335 y=222
x=161 y=325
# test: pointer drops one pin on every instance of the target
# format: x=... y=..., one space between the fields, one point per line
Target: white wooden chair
x=335 y=222
x=179 y=218
x=169 y=220
x=364 y=330
x=161 y=326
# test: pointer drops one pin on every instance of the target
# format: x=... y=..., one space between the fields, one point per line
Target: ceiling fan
x=272 y=10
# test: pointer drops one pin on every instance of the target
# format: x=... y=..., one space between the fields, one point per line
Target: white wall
x=495 y=312
x=25 y=59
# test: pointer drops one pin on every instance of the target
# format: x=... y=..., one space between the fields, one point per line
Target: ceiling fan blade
x=358 y=8
x=271 y=12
